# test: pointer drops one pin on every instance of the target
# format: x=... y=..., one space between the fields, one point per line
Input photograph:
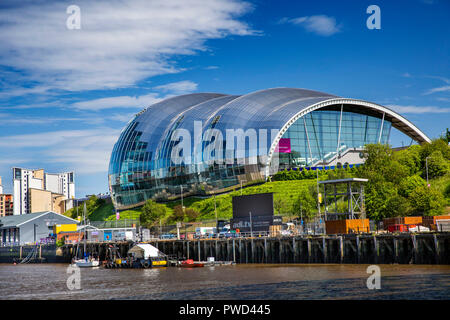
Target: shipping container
x=430 y=221
x=412 y=220
x=347 y=226
x=57 y=228
x=401 y=220
x=398 y=228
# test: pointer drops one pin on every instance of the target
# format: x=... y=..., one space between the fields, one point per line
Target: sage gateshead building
x=208 y=143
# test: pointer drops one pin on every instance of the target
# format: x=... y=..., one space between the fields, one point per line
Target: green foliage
x=305 y=206
x=435 y=145
x=446 y=136
x=152 y=212
x=447 y=191
x=379 y=196
x=437 y=165
x=186 y=215
x=92 y=204
x=408 y=185
x=60 y=242
x=410 y=158
x=427 y=200
x=279 y=205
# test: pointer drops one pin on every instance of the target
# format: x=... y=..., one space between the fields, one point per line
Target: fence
x=125 y=223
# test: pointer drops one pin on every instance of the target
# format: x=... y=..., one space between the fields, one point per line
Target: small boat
x=84 y=263
x=189 y=263
x=87 y=262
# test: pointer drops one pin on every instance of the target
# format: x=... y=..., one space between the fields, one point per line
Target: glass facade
x=314 y=138
x=142 y=167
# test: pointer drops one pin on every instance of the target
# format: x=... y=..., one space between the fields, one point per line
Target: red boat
x=189 y=263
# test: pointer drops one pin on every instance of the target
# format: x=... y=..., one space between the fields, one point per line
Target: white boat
x=82 y=263
x=86 y=262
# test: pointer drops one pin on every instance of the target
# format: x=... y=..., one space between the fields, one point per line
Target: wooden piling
x=375 y=250
x=294 y=249
x=341 y=249
x=309 y=250
x=324 y=250
x=234 y=251
x=280 y=251
x=437 y=255
x=265 y=251
x=396 y=253
x=358 y=249
x=415 y=248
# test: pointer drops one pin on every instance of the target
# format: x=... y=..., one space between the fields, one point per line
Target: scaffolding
x=352 y=189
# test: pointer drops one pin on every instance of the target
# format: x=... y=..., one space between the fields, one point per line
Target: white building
x=25 y=180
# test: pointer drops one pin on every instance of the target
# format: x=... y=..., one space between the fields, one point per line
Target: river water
x=302 y=281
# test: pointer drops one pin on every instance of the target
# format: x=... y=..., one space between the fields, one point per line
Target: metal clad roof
x=17 y=220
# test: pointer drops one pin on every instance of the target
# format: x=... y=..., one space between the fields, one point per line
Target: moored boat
x=189 y=263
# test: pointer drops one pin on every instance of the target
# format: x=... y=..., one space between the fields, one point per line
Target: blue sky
x=66 y=94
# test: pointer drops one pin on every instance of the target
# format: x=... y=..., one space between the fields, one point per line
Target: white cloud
x=418 y=109
x=139 y=102
x=438 y=89
x=178 y=87
x=117 y=102
x=120 y=42
x=85 y=151
x=319 y=24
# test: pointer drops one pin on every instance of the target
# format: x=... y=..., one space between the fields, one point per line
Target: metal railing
x=125 y=223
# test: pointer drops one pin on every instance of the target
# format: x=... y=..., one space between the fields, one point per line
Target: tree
x=437 y=165
x=186 y=214
x=427 y=200
x=152 y=212
x=447 y=191
x=378 y=199
x=408 y=185
x=279 y=205
x=410 y=158
x=435 y=145
x=305 y=206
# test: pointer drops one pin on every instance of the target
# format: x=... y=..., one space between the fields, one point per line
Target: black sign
x=259 y=223
x=257 y=204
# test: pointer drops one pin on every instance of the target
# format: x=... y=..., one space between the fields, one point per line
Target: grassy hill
x=286 y=190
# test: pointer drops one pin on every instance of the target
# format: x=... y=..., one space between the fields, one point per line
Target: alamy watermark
x=374 y=20
x=374 y=280
x=74 y=20
x=74 y=280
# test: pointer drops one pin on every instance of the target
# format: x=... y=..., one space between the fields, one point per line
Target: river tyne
x=233 y=282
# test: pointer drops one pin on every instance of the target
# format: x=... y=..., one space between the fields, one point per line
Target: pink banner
x=284 y=146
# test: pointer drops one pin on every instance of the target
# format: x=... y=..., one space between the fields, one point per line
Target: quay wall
x=420 y=248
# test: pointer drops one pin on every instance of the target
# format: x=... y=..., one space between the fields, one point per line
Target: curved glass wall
x=316 y=140
x=138 y=173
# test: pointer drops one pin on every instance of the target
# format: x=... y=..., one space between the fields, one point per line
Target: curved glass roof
x=268 y=109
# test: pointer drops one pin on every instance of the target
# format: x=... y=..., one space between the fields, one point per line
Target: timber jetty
x=403 y=248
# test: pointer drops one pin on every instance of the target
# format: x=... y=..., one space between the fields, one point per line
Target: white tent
x=144 y=251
